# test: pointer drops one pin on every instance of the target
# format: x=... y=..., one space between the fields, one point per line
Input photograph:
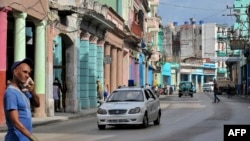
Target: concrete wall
x=209 y=41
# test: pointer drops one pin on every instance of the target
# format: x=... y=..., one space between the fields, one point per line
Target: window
x=147 y=94
x=151 y=94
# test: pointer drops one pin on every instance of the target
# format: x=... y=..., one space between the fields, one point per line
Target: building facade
x=23 y=35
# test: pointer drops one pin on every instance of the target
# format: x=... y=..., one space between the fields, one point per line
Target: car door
x=148 y=104
x=155 y=105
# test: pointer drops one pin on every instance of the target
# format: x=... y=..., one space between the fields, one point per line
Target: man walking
x=216 y=99
x=17 y=99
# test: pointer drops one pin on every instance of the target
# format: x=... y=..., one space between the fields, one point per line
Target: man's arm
x=35 y=98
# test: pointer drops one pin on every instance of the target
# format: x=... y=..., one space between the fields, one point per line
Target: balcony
x=221 y=36
x=153 y=22
x=221 y=53
x=236 y=53
x=221 y=70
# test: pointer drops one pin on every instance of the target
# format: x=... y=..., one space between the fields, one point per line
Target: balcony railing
x=235 y=53
x=221 y=53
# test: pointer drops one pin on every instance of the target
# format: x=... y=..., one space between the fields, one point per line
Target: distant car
x=208 y=87
x=129 y=106
x=186 y=88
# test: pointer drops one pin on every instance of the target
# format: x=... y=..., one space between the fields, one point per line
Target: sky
x=209 y=11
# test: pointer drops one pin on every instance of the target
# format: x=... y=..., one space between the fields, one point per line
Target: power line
x=214 y=14
x=188 y=7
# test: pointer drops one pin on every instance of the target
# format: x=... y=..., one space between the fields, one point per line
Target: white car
x=129 y=106
x=208 y=87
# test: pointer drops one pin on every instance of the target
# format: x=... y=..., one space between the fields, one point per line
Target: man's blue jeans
x=216 y=97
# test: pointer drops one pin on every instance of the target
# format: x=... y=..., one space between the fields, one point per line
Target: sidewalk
x=62 y=117
x=58 y=118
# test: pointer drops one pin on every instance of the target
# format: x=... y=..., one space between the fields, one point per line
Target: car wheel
x=145 y=121
x=158 y=120
x=101 y=127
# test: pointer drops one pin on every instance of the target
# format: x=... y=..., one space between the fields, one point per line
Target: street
x=185 y=118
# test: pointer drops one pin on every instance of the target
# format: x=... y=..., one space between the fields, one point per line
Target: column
x=190 y=77
x=100 y=57
x=92 y=72
x=3 y=53
x=107 y=65
x=113 y=69
x=71 y=57
x=202 y=82
x=126 y=66
x=178 y=75
x=84 y=71
x=39 y=67
x=120 y=67
x=146 y=71
x=51 y=32
x=20 y=37
x=196 y=82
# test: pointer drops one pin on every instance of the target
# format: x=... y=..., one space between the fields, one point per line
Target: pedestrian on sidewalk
x=216 y=99
x=17 y=103
x=99 y=90
x=106 y=91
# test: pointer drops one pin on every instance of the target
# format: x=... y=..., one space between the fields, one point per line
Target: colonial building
x=23 y=30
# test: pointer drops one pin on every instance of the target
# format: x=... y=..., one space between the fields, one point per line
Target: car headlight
x=134 y=110
x=101 y=111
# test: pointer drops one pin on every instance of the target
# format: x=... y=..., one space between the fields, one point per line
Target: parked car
x=186 y=88
x=129 y=106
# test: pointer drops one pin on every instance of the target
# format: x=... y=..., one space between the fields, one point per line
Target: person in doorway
x=56 y=96
x=60 y=105
x=216 y=99
x=17 y=104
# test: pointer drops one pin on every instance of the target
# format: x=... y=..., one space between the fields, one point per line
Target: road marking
x=187 y=105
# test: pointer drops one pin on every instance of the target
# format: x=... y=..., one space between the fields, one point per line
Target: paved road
x=185 y=118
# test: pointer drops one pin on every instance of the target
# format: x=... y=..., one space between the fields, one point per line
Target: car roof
x=130 y=88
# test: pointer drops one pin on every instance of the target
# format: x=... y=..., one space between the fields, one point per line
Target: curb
x=50 y=121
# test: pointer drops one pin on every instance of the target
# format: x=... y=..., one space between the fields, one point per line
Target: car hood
x=121 y=105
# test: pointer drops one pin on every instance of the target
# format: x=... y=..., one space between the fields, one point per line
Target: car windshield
x=126 y=95
x=185 y=85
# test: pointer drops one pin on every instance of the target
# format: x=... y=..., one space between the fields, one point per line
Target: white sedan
x=129 y=106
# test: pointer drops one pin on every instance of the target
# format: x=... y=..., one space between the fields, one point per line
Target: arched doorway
x=63 y=69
